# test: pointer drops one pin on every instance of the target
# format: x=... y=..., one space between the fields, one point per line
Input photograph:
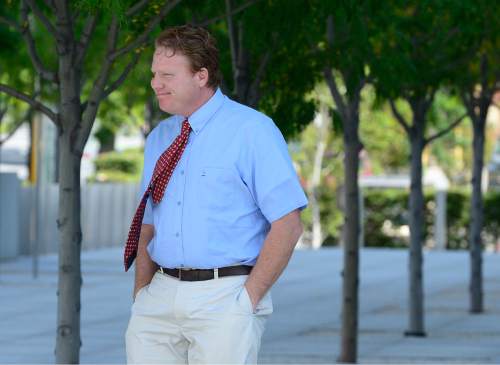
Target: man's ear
x=202 y=76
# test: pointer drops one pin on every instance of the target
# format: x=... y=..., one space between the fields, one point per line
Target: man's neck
x=205 y=96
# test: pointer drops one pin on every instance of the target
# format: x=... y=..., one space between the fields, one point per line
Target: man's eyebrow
x=162 y=72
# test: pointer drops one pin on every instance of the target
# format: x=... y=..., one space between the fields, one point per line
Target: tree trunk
x=476 y=213
x=152 y=116
x=242 y=75
x=416 y=206
x=68 y=341
x=351 y=231
x=70 y=237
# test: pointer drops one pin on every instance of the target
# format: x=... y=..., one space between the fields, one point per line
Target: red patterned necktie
x=161 y=175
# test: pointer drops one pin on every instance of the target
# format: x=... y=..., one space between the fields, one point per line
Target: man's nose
x=156 y=84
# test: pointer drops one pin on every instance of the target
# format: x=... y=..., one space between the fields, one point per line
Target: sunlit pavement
x=305 y=326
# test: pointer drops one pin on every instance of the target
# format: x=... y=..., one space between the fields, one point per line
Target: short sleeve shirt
x=233 y=180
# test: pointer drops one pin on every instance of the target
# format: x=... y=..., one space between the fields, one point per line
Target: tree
x=420 y=46
x=343 y=55
x=269 y=57
x=477 y=89
x=80 y=89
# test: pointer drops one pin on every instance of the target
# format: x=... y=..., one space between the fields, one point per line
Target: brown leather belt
x=206 y=274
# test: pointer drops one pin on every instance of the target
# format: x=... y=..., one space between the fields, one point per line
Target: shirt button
x=179 y=203
x=177 y=234
x=182 y=172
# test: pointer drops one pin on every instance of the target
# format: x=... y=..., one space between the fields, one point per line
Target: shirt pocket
x=217 y=188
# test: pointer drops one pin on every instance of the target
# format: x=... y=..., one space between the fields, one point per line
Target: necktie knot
x=186 y=127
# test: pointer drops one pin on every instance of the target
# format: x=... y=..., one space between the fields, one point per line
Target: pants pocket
x=264 y=307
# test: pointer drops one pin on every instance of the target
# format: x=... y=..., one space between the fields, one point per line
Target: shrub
x=115 y=166
x=386 y=212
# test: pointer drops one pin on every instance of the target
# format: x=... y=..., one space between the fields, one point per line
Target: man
x=222 y=215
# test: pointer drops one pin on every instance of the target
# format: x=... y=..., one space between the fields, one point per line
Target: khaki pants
x=185 y=322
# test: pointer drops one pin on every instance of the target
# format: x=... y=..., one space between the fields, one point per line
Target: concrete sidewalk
x=306 y=323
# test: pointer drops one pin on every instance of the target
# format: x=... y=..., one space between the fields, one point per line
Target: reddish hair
x=198 y=45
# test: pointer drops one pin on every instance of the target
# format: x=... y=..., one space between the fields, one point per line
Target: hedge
x=386 y=214
x=125 y=166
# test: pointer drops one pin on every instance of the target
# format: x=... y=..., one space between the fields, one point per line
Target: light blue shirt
x=233 y=180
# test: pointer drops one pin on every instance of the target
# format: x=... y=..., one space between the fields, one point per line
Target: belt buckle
x=180 y=274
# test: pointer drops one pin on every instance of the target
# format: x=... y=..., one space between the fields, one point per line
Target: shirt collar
x=202 y=116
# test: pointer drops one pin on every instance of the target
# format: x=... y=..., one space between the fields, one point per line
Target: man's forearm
x=144 y=266
x=274 y=256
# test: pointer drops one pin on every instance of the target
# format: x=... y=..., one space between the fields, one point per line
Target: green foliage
x=383 y=138
x=419 y=45
x=486 y=28
x=282 y=30
x=386 y=218
x=381 y=206
x=453 y=151
x=457 y=218
x=331 y=173
x=123 y=166
x=492 y=216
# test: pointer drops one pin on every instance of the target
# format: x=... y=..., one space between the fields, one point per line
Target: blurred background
x=391 y=111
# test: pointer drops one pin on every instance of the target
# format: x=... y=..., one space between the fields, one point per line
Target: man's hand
x=252 y=295
x=145 y=268
x=136 y=290
x=274 y=256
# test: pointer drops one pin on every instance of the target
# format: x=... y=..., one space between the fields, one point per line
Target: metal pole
x=34 y=177
x=361 y=217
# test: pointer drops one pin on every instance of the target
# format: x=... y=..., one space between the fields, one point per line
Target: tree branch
x=484 y=73
x=50 y=4
x=136 y=8
x=445 y=130
x=115 y=84
x=428 y=100
x=468 y=101
x=401 y=120
x=41 y=16
x=18 y=124
x=25 y=31
x=28 y=99
x=232 y=37
x=364 y=81
x=337 y=97
x=329 y=30
x=10 y=23
x=91 y=106
x=75 y=15
x=83 y=45
x=28 y=38
x=3 y=111
x=141 y=39
x=254 y=88
x=237 y=10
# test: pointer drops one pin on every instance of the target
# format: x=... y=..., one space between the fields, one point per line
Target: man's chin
x=167 y=109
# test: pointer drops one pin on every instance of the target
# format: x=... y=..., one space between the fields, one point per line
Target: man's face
x=176 y=87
